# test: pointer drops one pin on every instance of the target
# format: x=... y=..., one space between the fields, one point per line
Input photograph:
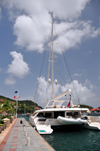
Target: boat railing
x=56 y=104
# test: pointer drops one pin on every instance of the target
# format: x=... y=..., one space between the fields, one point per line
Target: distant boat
x=94 y=113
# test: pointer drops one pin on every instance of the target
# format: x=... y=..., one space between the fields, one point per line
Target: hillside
x=86 y=106
x=6 y=98
x=24 y=106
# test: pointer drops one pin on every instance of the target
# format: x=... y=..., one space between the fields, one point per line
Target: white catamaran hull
x=92 y=126
x=44 y=129
x=41 y=128
x=93 y=123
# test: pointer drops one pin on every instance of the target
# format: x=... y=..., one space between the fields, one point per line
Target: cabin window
x=75 y=113
x=40 y=115
x=48 y=115
x=72 y=113
x=56 y=114
x=41 y=119
x=69 y=113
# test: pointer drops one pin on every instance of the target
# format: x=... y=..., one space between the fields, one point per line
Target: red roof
x=92 y=109
x=2 y=100
x=36 y=107
x=97 y=109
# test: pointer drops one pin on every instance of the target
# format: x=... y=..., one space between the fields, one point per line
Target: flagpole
x=16 y=107
x=17 y=99
x=16 y=102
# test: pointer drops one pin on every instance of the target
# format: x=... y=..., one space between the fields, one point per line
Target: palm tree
x=1 y=106
x=12 y=110
x=8 y=107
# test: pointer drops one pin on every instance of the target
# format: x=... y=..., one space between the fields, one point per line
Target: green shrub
x=1 y=124
x=4 y=116
x=1 y=121
x=9 y=117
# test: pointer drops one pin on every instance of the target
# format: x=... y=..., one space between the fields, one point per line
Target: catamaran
x=56 y=113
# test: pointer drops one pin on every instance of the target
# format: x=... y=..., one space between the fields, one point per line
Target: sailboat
x=56 y=114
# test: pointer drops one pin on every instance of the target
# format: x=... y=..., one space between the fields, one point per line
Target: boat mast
x=50 y=60
x=52 y=55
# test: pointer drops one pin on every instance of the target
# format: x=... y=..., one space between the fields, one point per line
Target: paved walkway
x=17 y=139
x=4 y=133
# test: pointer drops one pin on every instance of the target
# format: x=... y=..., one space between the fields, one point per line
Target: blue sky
x=24 y=42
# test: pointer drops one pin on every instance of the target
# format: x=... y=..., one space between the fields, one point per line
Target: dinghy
x=71 y=121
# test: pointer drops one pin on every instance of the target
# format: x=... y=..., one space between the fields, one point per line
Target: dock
x=21 y=136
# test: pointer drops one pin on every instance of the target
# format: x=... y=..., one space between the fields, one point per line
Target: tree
x=8 y=107
x=1 y=106
x=12 y=109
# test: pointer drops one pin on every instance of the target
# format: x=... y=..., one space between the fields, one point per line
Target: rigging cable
x=35 y=95
x=40 y=75
x=68 y=69
x=71 y=78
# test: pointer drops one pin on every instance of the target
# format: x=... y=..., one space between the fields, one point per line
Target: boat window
x=75 y=113
x=69 y=113
x=48 y=114
x=40 y=115
x=41 y=119
x=72 y=113
x=56 y=114
x=58 y=103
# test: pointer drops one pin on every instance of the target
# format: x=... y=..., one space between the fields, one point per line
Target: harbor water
x=73 y=140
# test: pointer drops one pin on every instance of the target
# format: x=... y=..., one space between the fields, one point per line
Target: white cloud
x=73 y=34
x=18 y=67
x=88 y=83
x=10 y=81
x=42 y=91
x=63 y=10
x=84 y=93
x=68 y=9
x=32 y=28
x=31 y=32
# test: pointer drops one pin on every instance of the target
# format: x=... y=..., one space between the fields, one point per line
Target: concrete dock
x=23 y=138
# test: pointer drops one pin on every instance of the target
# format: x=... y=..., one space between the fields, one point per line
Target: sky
x=25 y=34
